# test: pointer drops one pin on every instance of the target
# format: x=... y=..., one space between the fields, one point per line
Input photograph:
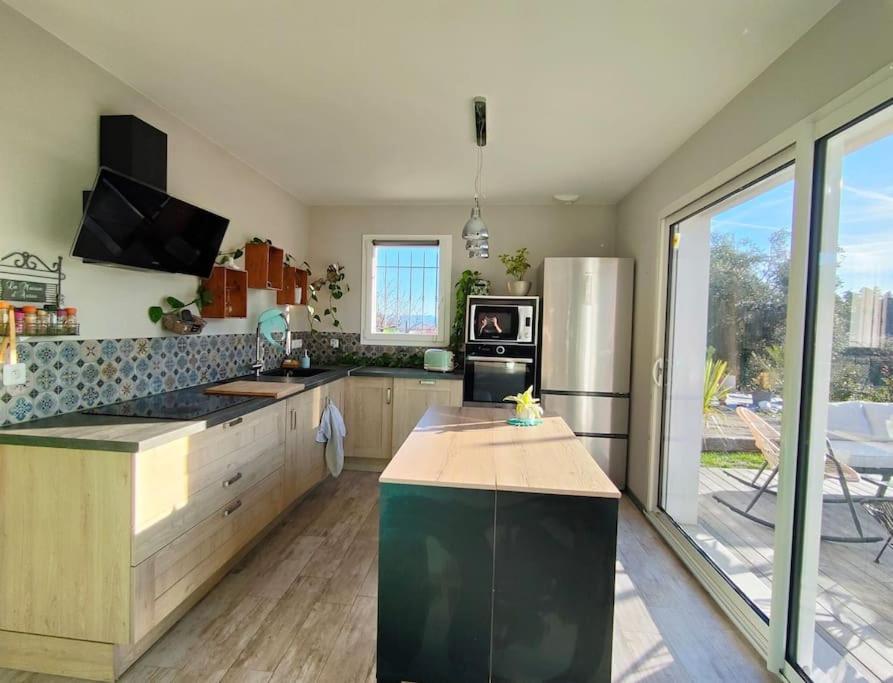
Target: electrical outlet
x=14 y=374
x=334 y=343
x=298 y=344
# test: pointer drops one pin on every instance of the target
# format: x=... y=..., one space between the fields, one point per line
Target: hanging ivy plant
x=202 y=298
x=333 y=281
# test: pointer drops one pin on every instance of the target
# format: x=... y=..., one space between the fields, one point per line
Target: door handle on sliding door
x=657 y=372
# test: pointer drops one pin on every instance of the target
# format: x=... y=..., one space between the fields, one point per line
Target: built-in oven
x=494 y=371
x=502 y=320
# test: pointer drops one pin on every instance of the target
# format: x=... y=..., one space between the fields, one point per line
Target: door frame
x=771 y=640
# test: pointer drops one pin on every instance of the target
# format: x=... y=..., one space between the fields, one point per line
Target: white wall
x=336 y=235
x=844 y=48
x=50 y=105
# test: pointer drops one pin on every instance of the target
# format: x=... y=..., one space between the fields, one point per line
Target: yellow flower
x=526 y=406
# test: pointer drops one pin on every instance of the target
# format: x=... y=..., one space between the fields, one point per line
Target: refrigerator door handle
x=657 y=372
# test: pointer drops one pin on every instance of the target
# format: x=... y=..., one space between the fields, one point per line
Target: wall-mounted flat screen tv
x=131 y=224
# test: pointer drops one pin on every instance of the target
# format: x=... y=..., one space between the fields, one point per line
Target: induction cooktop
x=186 y=404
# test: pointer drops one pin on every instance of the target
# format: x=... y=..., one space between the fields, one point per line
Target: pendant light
x=475 y=231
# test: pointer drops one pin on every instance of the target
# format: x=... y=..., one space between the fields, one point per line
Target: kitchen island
x=497 y=550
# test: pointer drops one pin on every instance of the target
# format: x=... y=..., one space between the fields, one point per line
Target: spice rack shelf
x=33 y=282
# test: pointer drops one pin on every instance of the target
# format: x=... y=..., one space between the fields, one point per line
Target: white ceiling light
x=566 y=198
x=475 y=231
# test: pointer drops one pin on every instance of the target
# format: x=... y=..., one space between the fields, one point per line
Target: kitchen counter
x=136 y=434
x=497 y=549
x=475 y=448
x=404 y=373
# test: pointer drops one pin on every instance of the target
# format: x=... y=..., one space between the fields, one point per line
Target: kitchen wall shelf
x=229 y=293
x=294 y=287
x=264 y=264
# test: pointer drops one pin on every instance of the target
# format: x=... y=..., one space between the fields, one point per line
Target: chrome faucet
x=258 y=364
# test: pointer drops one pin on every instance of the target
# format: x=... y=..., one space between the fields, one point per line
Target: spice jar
x=71 y=320
x=19 y=315
x=29 y=323
x=43 y=321
x=52 y=318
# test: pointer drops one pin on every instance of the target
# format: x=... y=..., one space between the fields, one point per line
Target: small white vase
x=518 y=287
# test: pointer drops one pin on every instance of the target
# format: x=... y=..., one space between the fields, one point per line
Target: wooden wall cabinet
x=294 y=287
x=265 y=265
x=229 y=293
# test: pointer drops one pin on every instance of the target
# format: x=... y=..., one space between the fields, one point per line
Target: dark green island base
x=480 y=585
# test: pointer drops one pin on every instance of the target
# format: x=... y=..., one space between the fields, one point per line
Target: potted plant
x=516 y=266
x=470 y=283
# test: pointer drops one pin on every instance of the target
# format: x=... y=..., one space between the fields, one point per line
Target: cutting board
x=265 y=389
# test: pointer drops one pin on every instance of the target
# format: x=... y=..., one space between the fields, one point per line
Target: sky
x=866 y=217
x=409 y=275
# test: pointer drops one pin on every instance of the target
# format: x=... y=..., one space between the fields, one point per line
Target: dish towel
x=331 y=432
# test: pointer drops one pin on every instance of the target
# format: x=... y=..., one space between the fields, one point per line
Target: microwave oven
x=502 y=320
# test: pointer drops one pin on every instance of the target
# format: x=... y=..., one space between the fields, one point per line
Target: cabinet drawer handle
x=232 y=508
x=233 y=423
x=427 y=381
x=232 y=480
x=387 y=395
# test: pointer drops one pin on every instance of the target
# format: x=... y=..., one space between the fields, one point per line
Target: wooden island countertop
x=475 y=448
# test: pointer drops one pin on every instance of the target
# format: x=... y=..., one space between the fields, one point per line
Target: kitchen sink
x=294 y=372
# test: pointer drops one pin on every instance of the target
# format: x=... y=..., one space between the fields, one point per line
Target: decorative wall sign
x=22 y=290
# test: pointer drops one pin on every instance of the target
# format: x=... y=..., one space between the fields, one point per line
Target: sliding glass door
x=725 y=335
x=842 y=598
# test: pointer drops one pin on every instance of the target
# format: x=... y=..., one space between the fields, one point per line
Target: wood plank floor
x=854 y=593
x=302 y=608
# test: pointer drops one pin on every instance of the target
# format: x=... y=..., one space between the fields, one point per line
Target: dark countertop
x=405 y=373
x=135 y=434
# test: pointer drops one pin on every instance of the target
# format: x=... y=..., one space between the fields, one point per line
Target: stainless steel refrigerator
x=587 y=313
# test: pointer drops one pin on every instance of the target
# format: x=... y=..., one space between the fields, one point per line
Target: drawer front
x=178 y=485
x=171 y=575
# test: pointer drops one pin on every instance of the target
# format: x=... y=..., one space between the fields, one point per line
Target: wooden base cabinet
x=370 y=402
x=102 y=551
x=382 y=411
x=305 y=463
x=412 y=397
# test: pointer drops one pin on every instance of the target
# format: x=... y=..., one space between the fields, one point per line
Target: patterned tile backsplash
x=65 y=376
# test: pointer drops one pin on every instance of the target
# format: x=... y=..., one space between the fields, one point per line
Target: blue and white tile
x=45 y=404
x=126 y=348
x=108 y=393
x=69 y=400
x=69 y=375
x=45 y=353
x=90 y=397
x=109 y=349
x=46 y=379
x=90 y=373
x=20 y=409
x=69 y=352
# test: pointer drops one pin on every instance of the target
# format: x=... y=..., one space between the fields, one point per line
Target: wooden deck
x=855 y=595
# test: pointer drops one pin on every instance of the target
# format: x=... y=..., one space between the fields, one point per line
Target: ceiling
x=370 y=102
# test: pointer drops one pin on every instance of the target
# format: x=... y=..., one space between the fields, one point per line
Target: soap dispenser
x=305 y=359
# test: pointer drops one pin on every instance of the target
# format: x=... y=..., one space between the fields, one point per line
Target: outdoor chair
x=882 y=511
x=768 y=440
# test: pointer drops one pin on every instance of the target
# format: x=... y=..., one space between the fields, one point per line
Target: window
x=406 y=285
